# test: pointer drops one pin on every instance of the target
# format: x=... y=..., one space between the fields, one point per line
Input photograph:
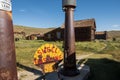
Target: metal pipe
x=70 y=68
x=8 y=70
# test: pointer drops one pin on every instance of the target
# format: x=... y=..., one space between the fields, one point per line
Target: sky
x=49 y=13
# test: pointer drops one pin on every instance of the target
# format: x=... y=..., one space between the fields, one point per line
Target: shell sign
x=47 y=54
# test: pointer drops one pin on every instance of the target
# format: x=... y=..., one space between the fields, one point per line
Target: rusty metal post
x=70 y=68
x=8 y=70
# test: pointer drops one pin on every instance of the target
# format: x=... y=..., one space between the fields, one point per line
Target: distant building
x=54 y=35
x=31 y=37
x=101 y=35
x=40 y=36
x=19 y=35
x=35 y=37
x=84 y=31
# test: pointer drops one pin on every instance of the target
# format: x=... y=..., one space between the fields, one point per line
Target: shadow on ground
x=103 y=69
x=100 y=69
x=32 y=70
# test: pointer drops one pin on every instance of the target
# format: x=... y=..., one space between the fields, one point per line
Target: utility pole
x=69 y=66
x=8 y=70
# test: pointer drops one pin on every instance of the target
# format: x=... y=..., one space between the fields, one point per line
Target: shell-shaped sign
x=47 y=53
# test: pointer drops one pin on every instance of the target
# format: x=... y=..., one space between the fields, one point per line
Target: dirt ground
x=29 y=75
x=37 y=74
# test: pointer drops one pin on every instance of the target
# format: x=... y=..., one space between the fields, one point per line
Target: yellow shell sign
x=47 y=53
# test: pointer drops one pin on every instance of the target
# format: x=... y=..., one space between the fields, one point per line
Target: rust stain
x=5 y=74
x=10 y=14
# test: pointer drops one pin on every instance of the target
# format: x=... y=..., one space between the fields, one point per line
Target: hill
x=114 y=34
x=31 y=30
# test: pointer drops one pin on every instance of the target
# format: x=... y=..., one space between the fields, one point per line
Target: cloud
x=116 y=26
x=22 y=10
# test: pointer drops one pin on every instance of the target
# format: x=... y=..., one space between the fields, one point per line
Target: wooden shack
x=54 y=35
x=31 y=37
x=84 y=31
x=19 y=35
x=101 y=35
x=39 y=36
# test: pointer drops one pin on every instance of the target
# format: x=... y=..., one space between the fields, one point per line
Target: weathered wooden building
x=31 y=37
x=101 y=35
x=84 y=31
x=40 y=36
x=19 y=35
x=35 y=37
x=54 y=35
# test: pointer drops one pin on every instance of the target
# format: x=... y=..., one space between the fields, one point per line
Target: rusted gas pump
x=8 y=69
x=69 y=67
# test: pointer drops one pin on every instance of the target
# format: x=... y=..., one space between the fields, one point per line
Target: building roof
x=100 y=33
x=83 y=23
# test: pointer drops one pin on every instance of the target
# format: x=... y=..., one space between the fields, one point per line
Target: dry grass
x=104 y=63
x=31 y=30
